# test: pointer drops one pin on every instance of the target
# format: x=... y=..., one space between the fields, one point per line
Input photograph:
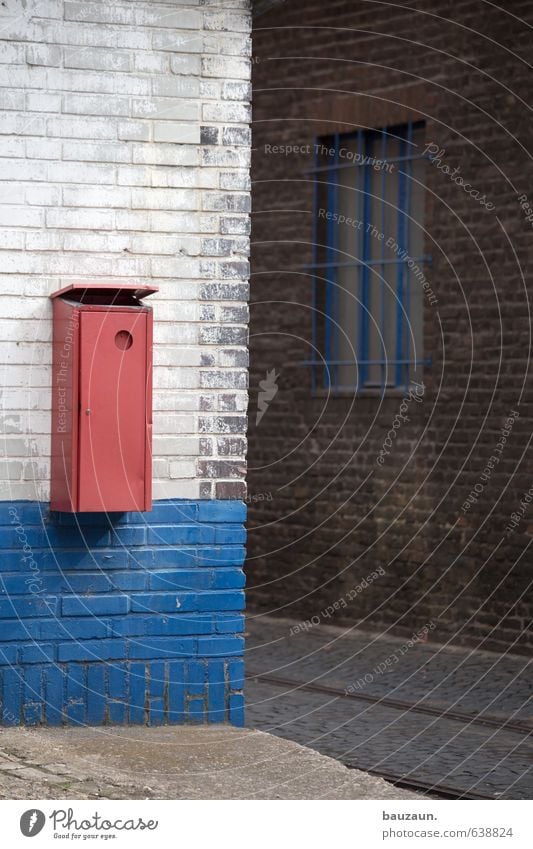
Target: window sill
x=392 y=392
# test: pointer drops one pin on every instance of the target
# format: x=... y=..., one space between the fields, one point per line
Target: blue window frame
x=368 y=259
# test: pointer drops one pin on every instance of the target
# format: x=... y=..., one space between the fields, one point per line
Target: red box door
x=113 y=421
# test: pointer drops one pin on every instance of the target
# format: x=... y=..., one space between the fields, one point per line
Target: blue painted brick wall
x=122 y=618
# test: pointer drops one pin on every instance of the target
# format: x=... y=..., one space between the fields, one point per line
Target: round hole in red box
x=123 y=340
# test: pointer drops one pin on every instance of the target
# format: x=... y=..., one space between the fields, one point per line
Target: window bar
x=407 y=305
x=372 y=362
x=400 y=271
x=315 y=261
x=342 y=264
x=363 y=349
x=329 y=300
x=383 y=316
x=334 y=246
x=361 y=164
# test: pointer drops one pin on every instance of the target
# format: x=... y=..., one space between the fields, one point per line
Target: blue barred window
x=369 y=267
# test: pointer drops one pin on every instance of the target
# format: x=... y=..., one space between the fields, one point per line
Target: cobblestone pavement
x=470 y=757
x=180 y=762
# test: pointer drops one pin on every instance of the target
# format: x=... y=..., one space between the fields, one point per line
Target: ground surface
x=373 y=735
x=365 y=733
x=200 y=762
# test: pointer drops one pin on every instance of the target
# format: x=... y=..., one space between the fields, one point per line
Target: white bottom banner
x=267 y=825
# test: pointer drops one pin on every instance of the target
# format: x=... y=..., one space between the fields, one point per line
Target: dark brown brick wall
x=323 y=513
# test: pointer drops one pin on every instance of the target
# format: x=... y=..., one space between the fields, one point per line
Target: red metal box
x=101 y=398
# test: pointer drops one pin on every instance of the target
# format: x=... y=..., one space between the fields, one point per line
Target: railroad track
x=465 y=717
x=444 y=791
x=408 y=781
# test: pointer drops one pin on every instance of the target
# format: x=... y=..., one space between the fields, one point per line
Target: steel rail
x=413 y=783
x=489 y=721
x=410 y=782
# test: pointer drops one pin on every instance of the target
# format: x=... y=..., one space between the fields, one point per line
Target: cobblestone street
x=473 y=754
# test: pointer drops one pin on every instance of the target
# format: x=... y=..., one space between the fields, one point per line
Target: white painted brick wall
x=124 y=155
